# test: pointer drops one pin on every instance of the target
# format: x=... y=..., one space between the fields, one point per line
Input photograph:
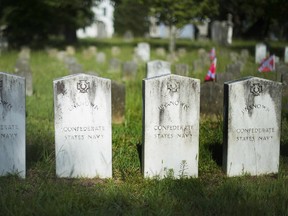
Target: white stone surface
x=171 y=126
x=158 y=68
x=286 y=55
x=82 y=106
x=260 y=52
x=143 y=51
x=252 y=120
x=12 y=125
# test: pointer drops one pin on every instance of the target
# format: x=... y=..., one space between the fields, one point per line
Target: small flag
x=268 y=64
x=210 y=76
x=212 y=54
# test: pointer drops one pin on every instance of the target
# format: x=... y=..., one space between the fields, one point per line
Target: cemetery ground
x=128 y=193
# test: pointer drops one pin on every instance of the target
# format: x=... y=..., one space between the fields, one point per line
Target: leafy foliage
x=131 y=15
x=179 y=13
x=30 y=21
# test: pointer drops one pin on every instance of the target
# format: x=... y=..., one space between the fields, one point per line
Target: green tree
x=30 y=21
x=175 y=14
x=131 y=15
x=256 y=18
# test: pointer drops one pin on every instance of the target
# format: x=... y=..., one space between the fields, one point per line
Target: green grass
x=128 y=193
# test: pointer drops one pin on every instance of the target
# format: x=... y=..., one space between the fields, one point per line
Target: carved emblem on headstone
x=256 y=89
x=83 y=86
x=173 y=86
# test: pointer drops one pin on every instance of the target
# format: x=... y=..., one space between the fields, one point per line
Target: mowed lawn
x=128 y=192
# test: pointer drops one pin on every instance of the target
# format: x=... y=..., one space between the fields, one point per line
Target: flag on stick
x=210 y=76
x=268 y=64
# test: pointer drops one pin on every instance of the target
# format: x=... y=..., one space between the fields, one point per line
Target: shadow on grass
x=216 y=150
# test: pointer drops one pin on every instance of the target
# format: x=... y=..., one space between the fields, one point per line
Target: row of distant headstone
x=211 y=92
x=171 y=114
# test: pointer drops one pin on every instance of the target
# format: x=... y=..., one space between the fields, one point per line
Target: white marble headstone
x=286 y=54
x=82 y=106
x=158 y=68
x=252 y=121
x=260 y=52
x=143 y=51
x=171 y=126
x=12 y=125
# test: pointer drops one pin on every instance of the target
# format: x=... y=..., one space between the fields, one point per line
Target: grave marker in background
x=114 y=65
x=118 y=102
x=22 y=68
x=252 y=121
x=260 y=52
x=82 y=106
x=143 y=51
x=129 y=70
x=171 y=126
x=182 y=69
x=286 y=55
x=158 y=68
x=211 y=98
x=13 y=125
x=100 y=57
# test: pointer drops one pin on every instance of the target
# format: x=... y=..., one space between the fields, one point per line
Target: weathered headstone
x=128 y=36
x=70 y=50
x=143 y=51
x=172 y=57
x=89 y=52
x=13 y=125
x=75 y=68
x=158 y=68
x=211 y=98
x=225 y=77
x=182 y=69
x=114 y=64
x=234 y=68
x=83 y=143
x=129 y=70
x=286 y=55
x=115 y=51
x=181 y=52
x=52 y=52
x=216 y=31
x=92 y=50
x=22 y=68
x=252 y=125
x=61 y=55
x=260 y=52
x=3 y=43
x=24 y=53
x=171 y=126
x=228 y=29
x=118 y=102
x=222 y=32
x=101 y=57
x=244 y=54
x=160 y=52
x=234 y=56
x=284 y=80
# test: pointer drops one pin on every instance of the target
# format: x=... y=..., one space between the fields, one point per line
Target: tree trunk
x=70 y=34
x=172 y=39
